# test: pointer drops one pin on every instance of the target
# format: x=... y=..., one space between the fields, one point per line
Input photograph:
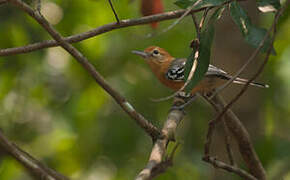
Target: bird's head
x=154 y=54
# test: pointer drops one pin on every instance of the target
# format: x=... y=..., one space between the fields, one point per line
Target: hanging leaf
x=253 y=35
x=268 y=5
x=203 y=60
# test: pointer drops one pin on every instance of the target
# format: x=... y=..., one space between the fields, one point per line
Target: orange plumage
x=170 y=71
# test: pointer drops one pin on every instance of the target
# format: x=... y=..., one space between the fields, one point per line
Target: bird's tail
x=244 y=81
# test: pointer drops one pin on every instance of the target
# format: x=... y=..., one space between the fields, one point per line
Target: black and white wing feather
x=176 y=73
x=176 y=70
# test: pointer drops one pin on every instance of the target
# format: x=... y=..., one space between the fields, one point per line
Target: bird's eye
x=155 y=52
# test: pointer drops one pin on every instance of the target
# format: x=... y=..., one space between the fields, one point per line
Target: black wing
x=176 y=71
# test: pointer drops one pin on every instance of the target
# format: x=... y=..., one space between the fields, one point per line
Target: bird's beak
x=141 y=53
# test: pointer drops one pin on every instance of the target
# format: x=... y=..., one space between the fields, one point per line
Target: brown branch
x=165 y=164
x=95 y=32
x=35 y=167
x=149 y=128
x=219 y=164
x=228 y=145
x=241 y=136
x=243 y=140
x=160 y=146
x=100 y=30
x=226 y=130
x=115 y=14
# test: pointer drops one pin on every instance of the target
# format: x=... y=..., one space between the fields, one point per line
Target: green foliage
x=253 y=35
x=204 y=52
x=53 y=109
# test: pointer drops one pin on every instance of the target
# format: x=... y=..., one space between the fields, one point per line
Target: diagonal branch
x=160 y=146
x=149 y=128
x=100 y=30
x=35 y=167
x=243 y=140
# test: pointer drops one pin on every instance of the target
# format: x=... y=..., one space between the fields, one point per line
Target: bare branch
x=228 y=145
x=35 y=167
x=160 y=146
x=149 y=128
x=99 y=30
x=116 y=15
x=243 y=140
x=227 y=133
x=219 y=164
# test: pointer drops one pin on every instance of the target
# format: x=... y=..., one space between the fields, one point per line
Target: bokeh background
x=53 y=109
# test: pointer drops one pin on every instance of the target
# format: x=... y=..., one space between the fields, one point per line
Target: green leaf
x=206 y=39
x=204 y=3
x=256 y=35
x=253 y=35
x=268 y=5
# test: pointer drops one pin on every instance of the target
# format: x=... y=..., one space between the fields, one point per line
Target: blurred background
x=53 y=109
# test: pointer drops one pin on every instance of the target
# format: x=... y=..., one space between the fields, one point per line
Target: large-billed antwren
x=170 y=71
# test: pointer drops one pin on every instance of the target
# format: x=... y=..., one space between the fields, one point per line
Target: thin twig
x=160 y=146
x=245 y=87
x=149 y=128
x=116 y=15
x=228 y=145
x=219 y=164
x=35 y=167
x=181 y=17
x=203 y=19
x=226 y=129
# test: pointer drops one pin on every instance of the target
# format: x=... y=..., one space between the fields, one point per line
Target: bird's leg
x=185 y=98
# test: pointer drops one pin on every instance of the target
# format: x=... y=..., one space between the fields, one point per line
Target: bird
x=170 y=72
